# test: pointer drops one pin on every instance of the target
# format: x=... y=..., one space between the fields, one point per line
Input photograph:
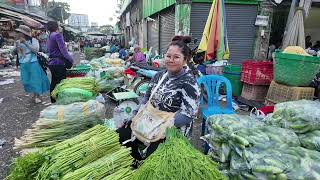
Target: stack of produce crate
x=233 y=73
x=256 y=76
x=293 y=74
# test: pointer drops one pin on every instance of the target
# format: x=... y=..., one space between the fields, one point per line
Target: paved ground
x=18 y=112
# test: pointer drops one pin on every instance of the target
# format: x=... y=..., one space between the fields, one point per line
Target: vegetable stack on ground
x=65 y=158
x=58 y=123
x=176 y=159
x=303 y=117
x=94 y=154
x=84 y=83
x=256 y=151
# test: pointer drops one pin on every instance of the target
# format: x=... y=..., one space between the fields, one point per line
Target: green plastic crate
x=295 y=70
x=233 y=73
x=80 y=69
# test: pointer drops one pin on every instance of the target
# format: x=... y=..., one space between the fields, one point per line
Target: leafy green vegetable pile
x=25 y=167
x=92 y=53
x=176 y=159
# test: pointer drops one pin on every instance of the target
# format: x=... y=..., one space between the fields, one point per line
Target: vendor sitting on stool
x=172 y=99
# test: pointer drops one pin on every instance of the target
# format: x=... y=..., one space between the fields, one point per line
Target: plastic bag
x=231 y=122
x=72 y=95
x=101 y=99
x=79 y=110
x=85 y=83
x=108 y=85
x=286 y=163
x=301 y=116
x=311 y=140
x=239 y=134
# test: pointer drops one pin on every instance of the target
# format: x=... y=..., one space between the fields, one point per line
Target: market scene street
x=160 y=89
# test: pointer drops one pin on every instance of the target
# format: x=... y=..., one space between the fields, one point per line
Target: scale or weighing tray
x=125 y=95
x=120 y=94
x=127 y=104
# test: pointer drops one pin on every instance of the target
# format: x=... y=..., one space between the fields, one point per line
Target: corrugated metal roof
x=152 y=6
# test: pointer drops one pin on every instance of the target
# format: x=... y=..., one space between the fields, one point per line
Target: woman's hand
x=22 y=40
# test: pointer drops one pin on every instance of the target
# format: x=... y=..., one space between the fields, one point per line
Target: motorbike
x=141 y=76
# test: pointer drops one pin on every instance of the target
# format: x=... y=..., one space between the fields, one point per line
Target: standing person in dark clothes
x=58 y=55
x=174 y=92
x=308 y=42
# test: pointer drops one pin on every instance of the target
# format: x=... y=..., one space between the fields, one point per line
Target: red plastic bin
x=257 y=72
x=75 y=75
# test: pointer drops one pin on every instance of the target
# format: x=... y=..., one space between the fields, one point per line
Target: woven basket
x=279 y=93
x=295 y=70
x=253 y=92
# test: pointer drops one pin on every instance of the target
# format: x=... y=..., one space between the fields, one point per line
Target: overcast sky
x=99 y=11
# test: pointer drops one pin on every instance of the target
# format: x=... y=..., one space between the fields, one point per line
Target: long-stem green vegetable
x=46 y=132
x=176 y=159
x=107 y=166
x=65 y=158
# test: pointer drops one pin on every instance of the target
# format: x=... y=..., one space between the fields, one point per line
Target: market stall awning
x=21 y=15
x=214 y=39
x=76 y=31
x=96 y=33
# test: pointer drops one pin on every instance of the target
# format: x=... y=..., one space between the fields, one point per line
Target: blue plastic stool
x=211 y=84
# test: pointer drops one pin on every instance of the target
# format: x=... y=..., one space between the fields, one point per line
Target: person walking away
x=173 y=96
x=122 y=52
x=138 y=56
x=33 y=77
x=59 y=58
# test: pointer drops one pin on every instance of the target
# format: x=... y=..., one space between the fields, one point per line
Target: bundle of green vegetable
x=72 y=95
x=85 y=83
x=301 y=116
x=91 y=53
x=176 y=159
x=69 y=156
x=110 y=78
x=115 y=166
x=311 y=140
x=47 y=132
x=89 y=110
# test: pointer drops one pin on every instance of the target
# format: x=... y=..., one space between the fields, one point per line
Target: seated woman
x=138 y=56
x=173 y=92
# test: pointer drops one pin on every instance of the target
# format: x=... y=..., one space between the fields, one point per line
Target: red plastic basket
x=76 y=75
x=257 y=72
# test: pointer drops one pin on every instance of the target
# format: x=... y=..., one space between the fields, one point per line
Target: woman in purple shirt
x=138 y=56
x=58 y=55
